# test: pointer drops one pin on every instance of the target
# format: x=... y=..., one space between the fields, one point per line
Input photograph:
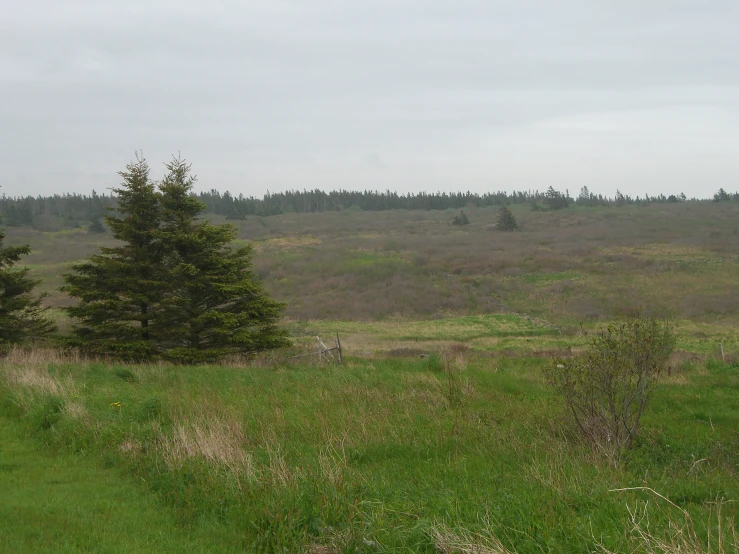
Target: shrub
x=607 y=387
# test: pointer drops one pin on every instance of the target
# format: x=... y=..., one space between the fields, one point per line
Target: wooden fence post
x=320 y=350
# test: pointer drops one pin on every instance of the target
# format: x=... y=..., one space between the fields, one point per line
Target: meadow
x=456 y=452
x=437 y=434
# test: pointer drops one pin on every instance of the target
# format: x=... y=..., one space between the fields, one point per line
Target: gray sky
x=408 y=95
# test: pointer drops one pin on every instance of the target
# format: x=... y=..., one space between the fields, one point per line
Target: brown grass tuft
x=130 y=447
x=77 y=411
x=219 y=441
x=466 y=542
x=278 y=470
x=35 y=378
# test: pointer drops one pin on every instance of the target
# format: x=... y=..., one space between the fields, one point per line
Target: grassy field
x=58 y=502
x=506 y=334
x=438 y=434
x=381 y=455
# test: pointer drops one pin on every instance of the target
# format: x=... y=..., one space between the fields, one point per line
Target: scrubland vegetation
x=466 y=449
x=572 y=265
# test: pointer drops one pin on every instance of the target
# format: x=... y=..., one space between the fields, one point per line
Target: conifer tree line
x=74 y=210
x=68 y=210
x=173 y=287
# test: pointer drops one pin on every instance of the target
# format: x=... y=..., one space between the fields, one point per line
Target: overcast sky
x=407 y=95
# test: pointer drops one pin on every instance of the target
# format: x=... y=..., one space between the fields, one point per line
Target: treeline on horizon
x=75 y=209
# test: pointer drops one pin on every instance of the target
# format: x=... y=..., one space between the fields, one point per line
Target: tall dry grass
x=682 y=536
x=27 y=369
x=217 y=441
x=462 y=541
x=39 y=357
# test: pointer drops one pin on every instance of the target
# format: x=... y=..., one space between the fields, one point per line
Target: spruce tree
x=506 y=221
x=96 y=226
x=460 y=219
x=119 y=290
x=21 y=315
x=214 y=305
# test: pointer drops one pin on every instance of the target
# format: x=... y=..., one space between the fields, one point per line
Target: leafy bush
x=607 y=387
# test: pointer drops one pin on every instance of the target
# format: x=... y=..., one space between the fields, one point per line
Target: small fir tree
x=506 y=221
x=460 y=219
x=96 y=226
x=215 y=305
x=119 y=290
x=21 y=316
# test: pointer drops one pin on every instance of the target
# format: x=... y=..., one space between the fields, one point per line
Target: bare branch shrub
x=607 y=387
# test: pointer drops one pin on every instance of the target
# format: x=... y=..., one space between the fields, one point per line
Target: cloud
x=406 y=95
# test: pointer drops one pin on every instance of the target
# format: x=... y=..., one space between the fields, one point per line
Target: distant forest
x=74 y=210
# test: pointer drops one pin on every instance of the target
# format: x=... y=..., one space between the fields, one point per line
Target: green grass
x=60 y=502
x=492 y=333
x=373 y=456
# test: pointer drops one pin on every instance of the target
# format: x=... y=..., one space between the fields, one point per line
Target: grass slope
x=61 y=502
x=383 y=455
